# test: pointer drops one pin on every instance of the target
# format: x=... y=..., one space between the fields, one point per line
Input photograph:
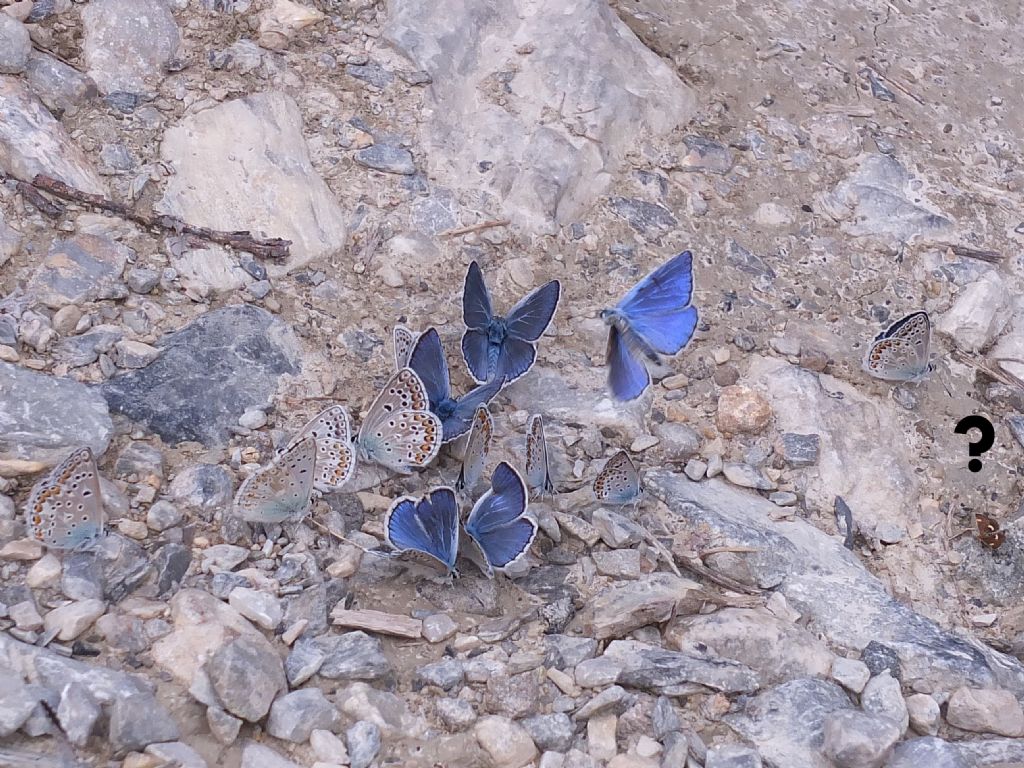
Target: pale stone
x=984 y=710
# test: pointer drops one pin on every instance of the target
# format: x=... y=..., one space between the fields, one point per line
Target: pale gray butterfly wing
x=538 y=469
x=901 y=352
x=404 y=340
x=477 y=447
x=335 y=458
x=281 y=490
x=65 y=509
x=399 y=431
x=618 y=482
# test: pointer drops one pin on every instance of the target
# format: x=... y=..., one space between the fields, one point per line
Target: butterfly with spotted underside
x=403 y=341
x=335 y=456
x=478 y=446
x=280 y=491
x=399 y=431
x=65 y=508
x=901 y=352
x=538 y=466
x=618 y=482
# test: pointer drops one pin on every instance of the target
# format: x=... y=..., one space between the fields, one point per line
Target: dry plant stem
x=270 y=248
x=992 y=257
x=475 y=227
x=695 y=565
x=1004 y=377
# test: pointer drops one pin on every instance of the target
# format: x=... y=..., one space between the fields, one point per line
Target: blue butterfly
x=655 y=318
x=428 y=527
x=497 y=526
x=456 y=415
x=492 y=342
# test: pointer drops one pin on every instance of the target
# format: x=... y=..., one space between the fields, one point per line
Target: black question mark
x=978 y=447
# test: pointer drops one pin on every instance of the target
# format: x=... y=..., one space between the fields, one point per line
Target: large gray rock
x=777 y=649
x=15 y=45
x=17 y=700
x=57 y=85
x=33 y=142
x=218 y=153
x=930 y=752
x=876 y=200
x=208 y=374
x=246 y=676
x=80 y=269
x=555 y=121
x=827 y=583
x=671 y=672
x=294 y=716
x=787 y=722
x=42 y=417
x=128 y=43
x=352 y=656
x=859 y=739
x=873 y=476
x=138 y=720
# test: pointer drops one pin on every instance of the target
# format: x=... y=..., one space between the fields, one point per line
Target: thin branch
x=475 y=228
x=992 y=257
x=270 y=248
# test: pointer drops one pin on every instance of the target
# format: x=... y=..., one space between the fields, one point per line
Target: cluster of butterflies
x=415 y=414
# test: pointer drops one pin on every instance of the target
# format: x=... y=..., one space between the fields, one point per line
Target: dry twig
x=475 y=227
x=271 y=248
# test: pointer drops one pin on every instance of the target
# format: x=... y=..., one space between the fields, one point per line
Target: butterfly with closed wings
x=538 y=468
x=399 y=431
x=335 y=458
x=280 y=491
x=65 y=510
x=456 y=414
x=618 y=482
x=655 y=318
x=403 y=340
x=499 y=531
x=901 y=352
x=494 y=344
x=477 y=447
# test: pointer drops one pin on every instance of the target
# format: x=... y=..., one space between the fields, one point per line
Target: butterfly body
x=65 y=509
x=538 y=468
x=335 y=457
x=280 y=491
x=495 y=345
x=399 y=431
x=426 y=528
x=456 y=414
x=498 y=529
x=618 y=482
x=901 y=352
x=654 y=318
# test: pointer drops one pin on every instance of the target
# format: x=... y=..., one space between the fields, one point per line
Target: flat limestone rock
x=43 y=417
x=244 y=165
x=548 y=102
x=32 y=141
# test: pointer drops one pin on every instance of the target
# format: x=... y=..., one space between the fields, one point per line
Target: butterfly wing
x=497 y=524
x=515 y=358
x=335 y=459
x=528 y=319
x=475 y=351
x=65 y=509
x=403 y=339
x=427 y=359
x=429 y=526
x=627 y=375
x=476 y=302
x=658 y=307
x=477 y=448
x=618 y=482
x=901 y=352
x=281 y=490
x=382 y=430
x=538 y=471
x=459 y=421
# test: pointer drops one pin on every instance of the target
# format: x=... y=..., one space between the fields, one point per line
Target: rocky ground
x=832 y=166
